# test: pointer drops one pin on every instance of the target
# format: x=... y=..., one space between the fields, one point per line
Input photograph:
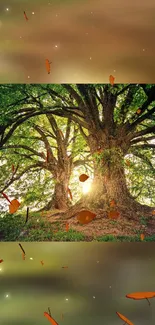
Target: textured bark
x=60 y=197
x=110 y=184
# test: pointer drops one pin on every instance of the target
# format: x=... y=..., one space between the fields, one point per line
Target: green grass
x=39 y=230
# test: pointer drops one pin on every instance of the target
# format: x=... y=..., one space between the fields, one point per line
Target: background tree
x=43 y=146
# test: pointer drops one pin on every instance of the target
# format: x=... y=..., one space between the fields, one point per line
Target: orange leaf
x=48 y=68
x=1 y=261
x=83 y=177
x=6 y=197
x=52 y=321
x=141 y=295
x=67 y=226
x=13 y=207
x=138 y=111
x=23 y=256
x=153 y=212
x=25 y=15
x=70 y=193
x=128 y=162
x=42 y=262
x=113 y=214
x=126 y=320
x=85 y=217
x=111 y=79
x=112 y=203
x=142 y=236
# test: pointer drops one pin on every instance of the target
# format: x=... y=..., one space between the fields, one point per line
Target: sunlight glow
x=86 y=187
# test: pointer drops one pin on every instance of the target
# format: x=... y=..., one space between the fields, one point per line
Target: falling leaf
x=85 y=217
x=64 y=267
x=52 y=321
x=22 y=249
x=128 y=162
x=27 y=214
x=83 y=177
x=42 y=263
x=142 y=237
x=138 y=111
x=153 y=212
x=23 y=256
x=70 y=193
x=112 y=203
x=113 y=214
x=48 y=68
x=6 y=197
x=67 y=226
x=13 y=207
x=126 y=320
x=25 y=16
x=141 y=295
x=1 y=261
x=111 y=80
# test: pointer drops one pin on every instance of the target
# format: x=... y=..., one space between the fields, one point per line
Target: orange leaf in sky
x=126 y=320
x=111 y=79
x=13 y=207
x=48 y=68
x=83 y=177
x=52 y=321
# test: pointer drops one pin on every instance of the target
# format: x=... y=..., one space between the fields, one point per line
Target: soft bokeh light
x=95 y=39
x=86 y=293
x=86 y=186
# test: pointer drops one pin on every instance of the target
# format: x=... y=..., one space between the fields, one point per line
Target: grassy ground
x=44 y=227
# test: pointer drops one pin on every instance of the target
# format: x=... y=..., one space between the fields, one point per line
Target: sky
x=89 y=292
x=86 y=41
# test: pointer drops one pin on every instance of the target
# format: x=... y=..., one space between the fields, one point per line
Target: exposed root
x=131 y=210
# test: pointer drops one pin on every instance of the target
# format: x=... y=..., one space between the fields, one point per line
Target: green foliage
x=36 y=186
x=10 y=226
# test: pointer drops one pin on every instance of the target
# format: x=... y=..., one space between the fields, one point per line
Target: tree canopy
x=105 y=131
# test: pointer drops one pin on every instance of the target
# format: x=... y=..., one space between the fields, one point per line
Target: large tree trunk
x=110 y=184
x=60 y=198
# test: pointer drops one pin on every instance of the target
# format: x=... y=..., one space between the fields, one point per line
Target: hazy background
x=89 y=292
x=86 y=40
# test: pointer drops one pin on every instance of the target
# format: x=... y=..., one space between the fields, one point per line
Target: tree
x=45 y=143
x=114 y=121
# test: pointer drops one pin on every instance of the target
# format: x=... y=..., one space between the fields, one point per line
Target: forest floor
x=102 y=226
x=46 y=226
